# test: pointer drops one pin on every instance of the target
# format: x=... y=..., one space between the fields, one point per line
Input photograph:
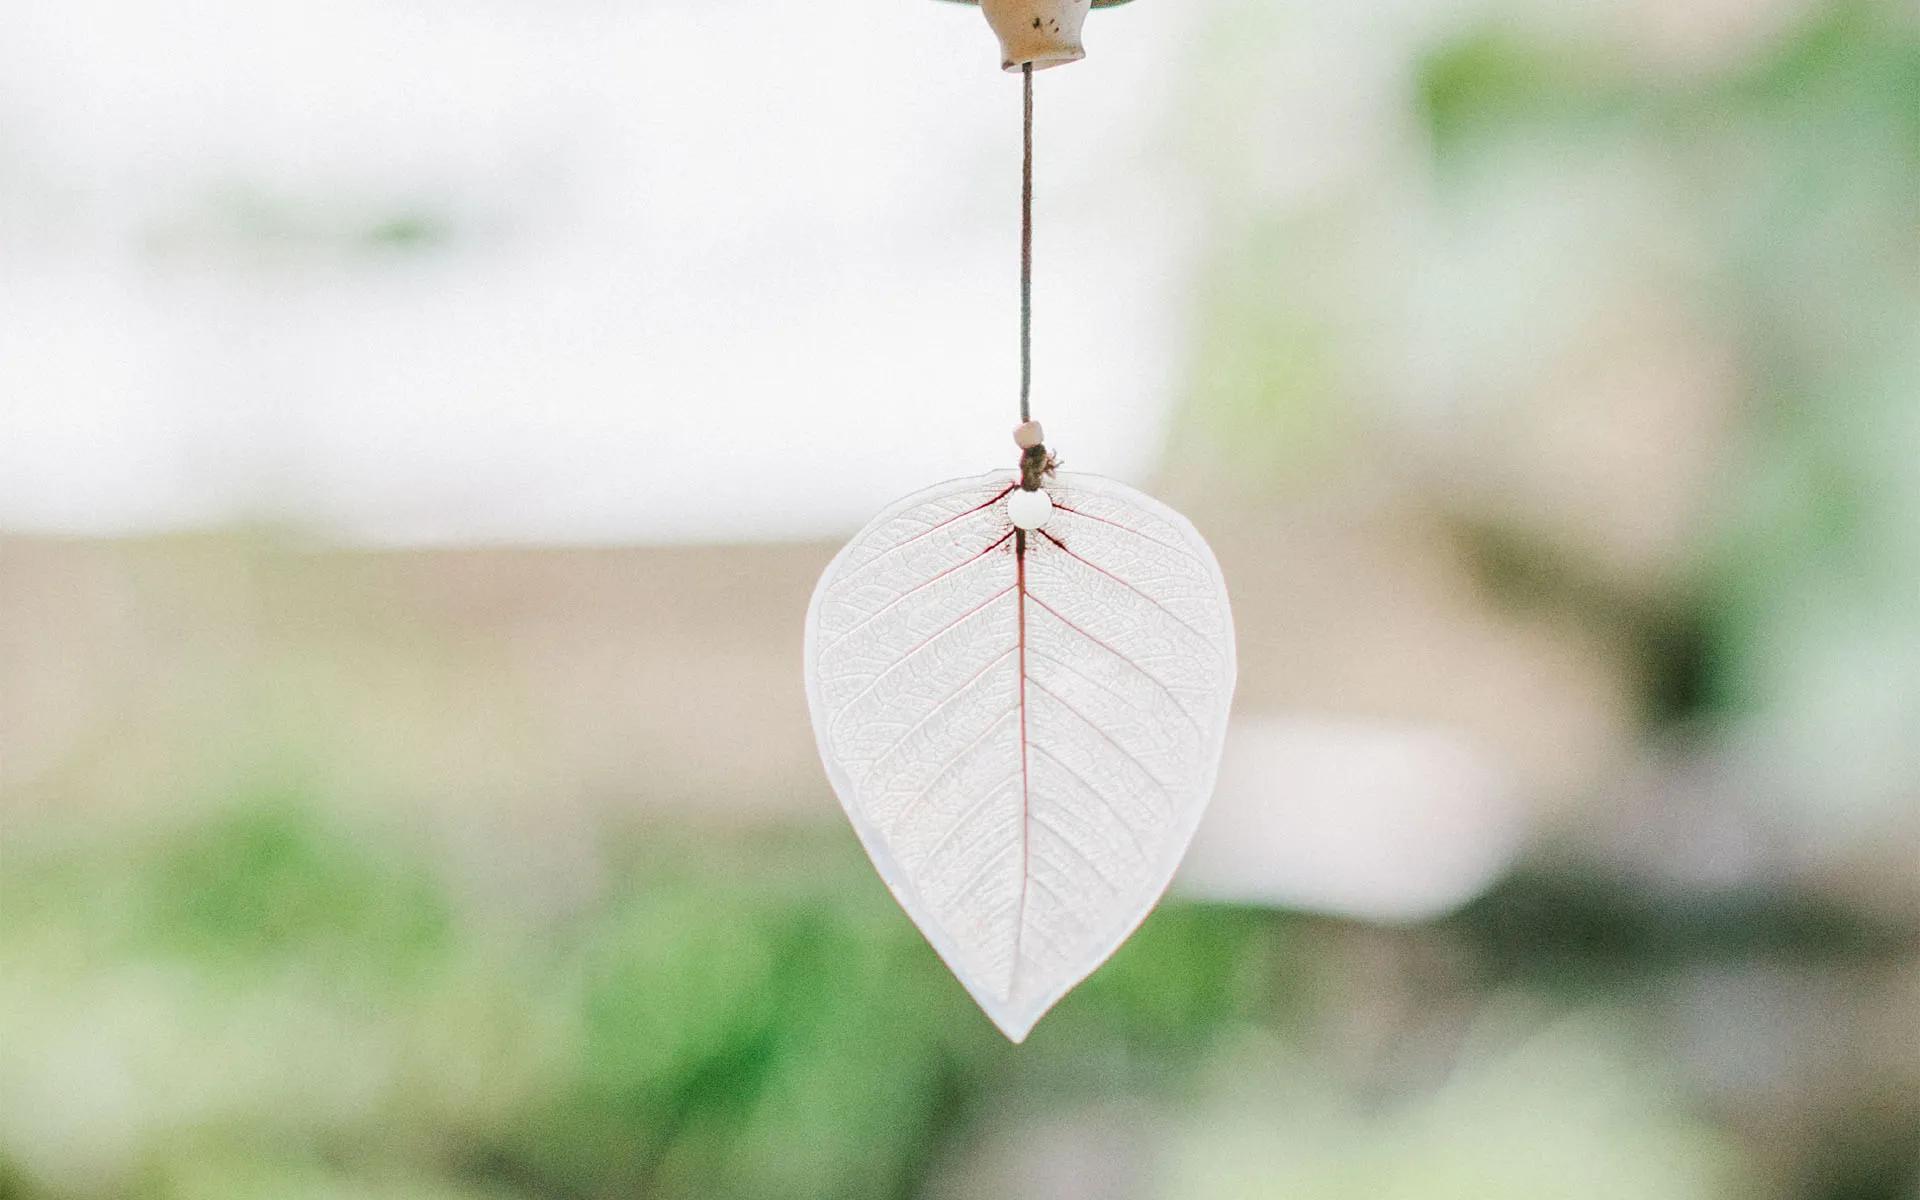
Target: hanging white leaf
x=1024 y=726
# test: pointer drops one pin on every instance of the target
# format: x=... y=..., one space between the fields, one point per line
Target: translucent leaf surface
x=1023 y=726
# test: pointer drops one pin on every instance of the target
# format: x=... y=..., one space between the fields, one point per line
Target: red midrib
x=1026 y=824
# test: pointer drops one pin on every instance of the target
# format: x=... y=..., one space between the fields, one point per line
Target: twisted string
x=1026 y=245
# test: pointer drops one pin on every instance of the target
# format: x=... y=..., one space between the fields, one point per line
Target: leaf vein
x=906 y=658
x=890 y=605
x=1097 y=794
x=924 y=533
x=957 y=759
x=1085 y=720
x=1149 y=676
x=1145 y=537
x=1149 y=597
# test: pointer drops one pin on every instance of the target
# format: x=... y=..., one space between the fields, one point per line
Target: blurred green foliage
x=751 y=1020
x=267 y=1001
x=268 y=887
x=1769 y=198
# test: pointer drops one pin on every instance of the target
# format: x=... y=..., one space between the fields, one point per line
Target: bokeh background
x=421 y=425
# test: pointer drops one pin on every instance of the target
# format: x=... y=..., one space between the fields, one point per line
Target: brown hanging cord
x=1035 y=462
x=1026 y=244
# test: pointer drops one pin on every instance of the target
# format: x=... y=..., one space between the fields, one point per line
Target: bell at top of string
x=1039 y=33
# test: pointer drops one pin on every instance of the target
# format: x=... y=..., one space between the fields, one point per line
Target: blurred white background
x=445 y=271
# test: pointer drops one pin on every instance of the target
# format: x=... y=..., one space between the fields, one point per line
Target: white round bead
x=1028 y=434
x=1029 y=510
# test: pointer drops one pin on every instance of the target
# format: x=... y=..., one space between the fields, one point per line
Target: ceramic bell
x=1045 y=33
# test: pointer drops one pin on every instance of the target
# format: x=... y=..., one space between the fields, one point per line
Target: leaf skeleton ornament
x=1020 y=696
x=1020 y=683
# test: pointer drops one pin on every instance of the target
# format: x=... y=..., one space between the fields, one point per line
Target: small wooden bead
x=1027 y=435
